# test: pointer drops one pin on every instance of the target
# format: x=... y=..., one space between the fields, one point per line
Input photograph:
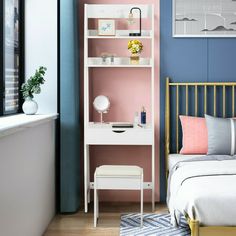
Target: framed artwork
x=204 y=18
x=106 y=27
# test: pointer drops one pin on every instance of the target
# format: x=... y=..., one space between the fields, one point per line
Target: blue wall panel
x=177 y=57
x=69 y=109
x=222 y=59
x=190 y=59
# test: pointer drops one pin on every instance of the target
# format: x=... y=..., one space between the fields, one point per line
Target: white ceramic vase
x=30 y=107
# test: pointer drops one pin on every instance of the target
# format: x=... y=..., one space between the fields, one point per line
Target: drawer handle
x=118 y=131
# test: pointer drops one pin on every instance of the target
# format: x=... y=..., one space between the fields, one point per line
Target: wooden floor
x=108 y=224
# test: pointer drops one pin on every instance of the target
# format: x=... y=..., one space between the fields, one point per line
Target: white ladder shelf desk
x=95 y=134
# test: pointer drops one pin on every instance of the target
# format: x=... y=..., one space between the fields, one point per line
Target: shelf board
x=118 y=62
x=116 y=11
x=120 y=34
x=98 y=125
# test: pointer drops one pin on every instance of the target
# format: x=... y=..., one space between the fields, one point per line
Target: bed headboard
x=195 y=99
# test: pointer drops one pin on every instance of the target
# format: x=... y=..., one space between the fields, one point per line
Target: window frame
x=21 y=56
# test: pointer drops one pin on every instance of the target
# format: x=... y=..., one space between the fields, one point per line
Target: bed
x=203 y=188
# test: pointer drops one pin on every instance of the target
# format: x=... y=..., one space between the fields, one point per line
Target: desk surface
x=98 y=125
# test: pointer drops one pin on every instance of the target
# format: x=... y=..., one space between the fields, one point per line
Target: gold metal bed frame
x=196 y=228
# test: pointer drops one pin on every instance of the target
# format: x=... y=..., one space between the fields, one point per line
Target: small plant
x=32 y=85
x=135 y=46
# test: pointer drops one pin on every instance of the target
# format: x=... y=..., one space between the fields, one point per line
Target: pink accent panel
x=116 y=47
x=122 y=155
x=128 y=89
x=195 y=140
x=121 y=24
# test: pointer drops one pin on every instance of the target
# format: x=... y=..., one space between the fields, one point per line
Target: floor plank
x=109 y=220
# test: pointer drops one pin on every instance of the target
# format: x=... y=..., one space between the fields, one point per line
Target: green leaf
x=32 y=85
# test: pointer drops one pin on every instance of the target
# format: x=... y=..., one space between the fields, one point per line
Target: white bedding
x=175 y=158
x=205 y=190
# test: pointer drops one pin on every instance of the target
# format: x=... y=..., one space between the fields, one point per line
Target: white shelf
x=120 y=34
x=116 y=11
x=118 y=62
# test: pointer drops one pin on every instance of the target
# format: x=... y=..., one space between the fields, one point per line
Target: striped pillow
x=221 y=136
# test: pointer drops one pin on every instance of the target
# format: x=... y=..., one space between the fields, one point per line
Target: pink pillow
x=195 y=139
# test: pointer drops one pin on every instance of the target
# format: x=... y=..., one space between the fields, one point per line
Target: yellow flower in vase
x=135 y=47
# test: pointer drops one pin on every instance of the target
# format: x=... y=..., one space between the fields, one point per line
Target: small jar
x=143 y=116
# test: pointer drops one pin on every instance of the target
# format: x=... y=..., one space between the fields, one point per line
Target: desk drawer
x=136 y=136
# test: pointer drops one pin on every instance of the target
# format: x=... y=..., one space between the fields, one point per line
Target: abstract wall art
x=204 y=18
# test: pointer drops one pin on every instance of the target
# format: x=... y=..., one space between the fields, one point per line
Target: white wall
x=27 y=180
x=27 y=157
x=41 y=49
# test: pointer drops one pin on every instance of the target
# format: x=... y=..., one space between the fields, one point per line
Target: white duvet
x=205 y=190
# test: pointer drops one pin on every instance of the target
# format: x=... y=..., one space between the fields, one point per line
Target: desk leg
x=88 y=162
x=153 y=178
x=86 y=184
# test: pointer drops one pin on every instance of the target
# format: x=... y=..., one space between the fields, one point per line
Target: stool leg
x=95 y=206
x=141 y=202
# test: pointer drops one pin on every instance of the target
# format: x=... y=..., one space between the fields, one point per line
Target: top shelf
x=120 y=34
x=116 y=10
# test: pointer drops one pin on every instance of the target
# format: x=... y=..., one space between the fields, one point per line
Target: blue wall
x=191 y=59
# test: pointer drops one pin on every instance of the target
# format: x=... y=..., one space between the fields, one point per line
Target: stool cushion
x=118 y=170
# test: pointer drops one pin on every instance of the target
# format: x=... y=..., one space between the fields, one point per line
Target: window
x=11 y=55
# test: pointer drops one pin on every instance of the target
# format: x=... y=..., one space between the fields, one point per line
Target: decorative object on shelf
x=131 y=21
x=101 y=104
x=143 y=116
x=135 y=47
x=112 y=57
x=204 y=18
x=31 y=87
x=107 y=55
x=104 y=56
x=136 y=118
x=106 y=27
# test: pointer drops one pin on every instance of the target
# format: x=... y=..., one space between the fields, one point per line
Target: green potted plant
x=31 y=87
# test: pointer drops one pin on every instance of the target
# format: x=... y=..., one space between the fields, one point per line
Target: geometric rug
x=153 y=225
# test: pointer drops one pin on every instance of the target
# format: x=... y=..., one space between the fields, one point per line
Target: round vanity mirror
x=101 y=104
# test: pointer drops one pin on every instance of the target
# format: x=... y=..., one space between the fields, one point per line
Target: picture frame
x=204 y=18
x=106 y=27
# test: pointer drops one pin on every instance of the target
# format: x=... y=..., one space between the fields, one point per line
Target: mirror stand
x=101 y=118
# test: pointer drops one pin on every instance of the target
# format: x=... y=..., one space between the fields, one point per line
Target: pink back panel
x=127 y=89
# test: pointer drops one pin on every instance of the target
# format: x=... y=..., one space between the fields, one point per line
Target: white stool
x=117 y=177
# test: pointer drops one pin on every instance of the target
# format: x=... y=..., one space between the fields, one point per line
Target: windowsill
x=15 y=123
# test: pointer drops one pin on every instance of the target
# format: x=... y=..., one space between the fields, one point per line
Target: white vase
x=30 y=107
